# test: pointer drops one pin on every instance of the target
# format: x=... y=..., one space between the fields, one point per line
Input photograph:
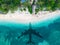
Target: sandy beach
x=25 y=16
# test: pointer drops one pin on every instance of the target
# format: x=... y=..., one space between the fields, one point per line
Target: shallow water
x=50 y=31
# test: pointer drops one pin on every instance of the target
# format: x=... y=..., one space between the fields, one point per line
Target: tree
x=41 y=5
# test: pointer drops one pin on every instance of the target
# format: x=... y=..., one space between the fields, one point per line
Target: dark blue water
x=50 y=30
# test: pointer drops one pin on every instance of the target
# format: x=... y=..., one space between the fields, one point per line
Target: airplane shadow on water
x=30 y=32
x=15 y=35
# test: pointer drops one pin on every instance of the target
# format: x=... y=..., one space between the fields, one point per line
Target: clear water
x=50 y=30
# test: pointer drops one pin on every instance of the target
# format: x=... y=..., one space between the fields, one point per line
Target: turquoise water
x=50 y=30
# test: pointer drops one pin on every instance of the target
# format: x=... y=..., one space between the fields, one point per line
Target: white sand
x=26 y=17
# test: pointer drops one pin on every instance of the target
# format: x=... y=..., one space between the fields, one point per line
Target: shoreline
x=26 y=17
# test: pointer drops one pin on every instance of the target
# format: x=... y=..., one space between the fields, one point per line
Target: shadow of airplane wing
x=23 y=33
x=37 y=34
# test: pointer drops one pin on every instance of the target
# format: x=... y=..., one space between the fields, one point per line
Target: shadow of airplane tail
x=30 y=43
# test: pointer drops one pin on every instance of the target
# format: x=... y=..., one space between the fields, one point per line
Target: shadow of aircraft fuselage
x=29 y=32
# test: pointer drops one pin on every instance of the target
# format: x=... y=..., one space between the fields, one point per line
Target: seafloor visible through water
x=50 y=31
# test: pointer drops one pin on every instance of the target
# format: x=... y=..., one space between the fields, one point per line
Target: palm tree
x=36 y=5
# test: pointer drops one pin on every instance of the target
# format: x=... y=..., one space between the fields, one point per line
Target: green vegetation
x=6 y=5
x=36 y=11
x=30 y=9
x=42 y=5
x=49 y=4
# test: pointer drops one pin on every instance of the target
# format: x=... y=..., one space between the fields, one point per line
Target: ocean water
x=50 y=31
